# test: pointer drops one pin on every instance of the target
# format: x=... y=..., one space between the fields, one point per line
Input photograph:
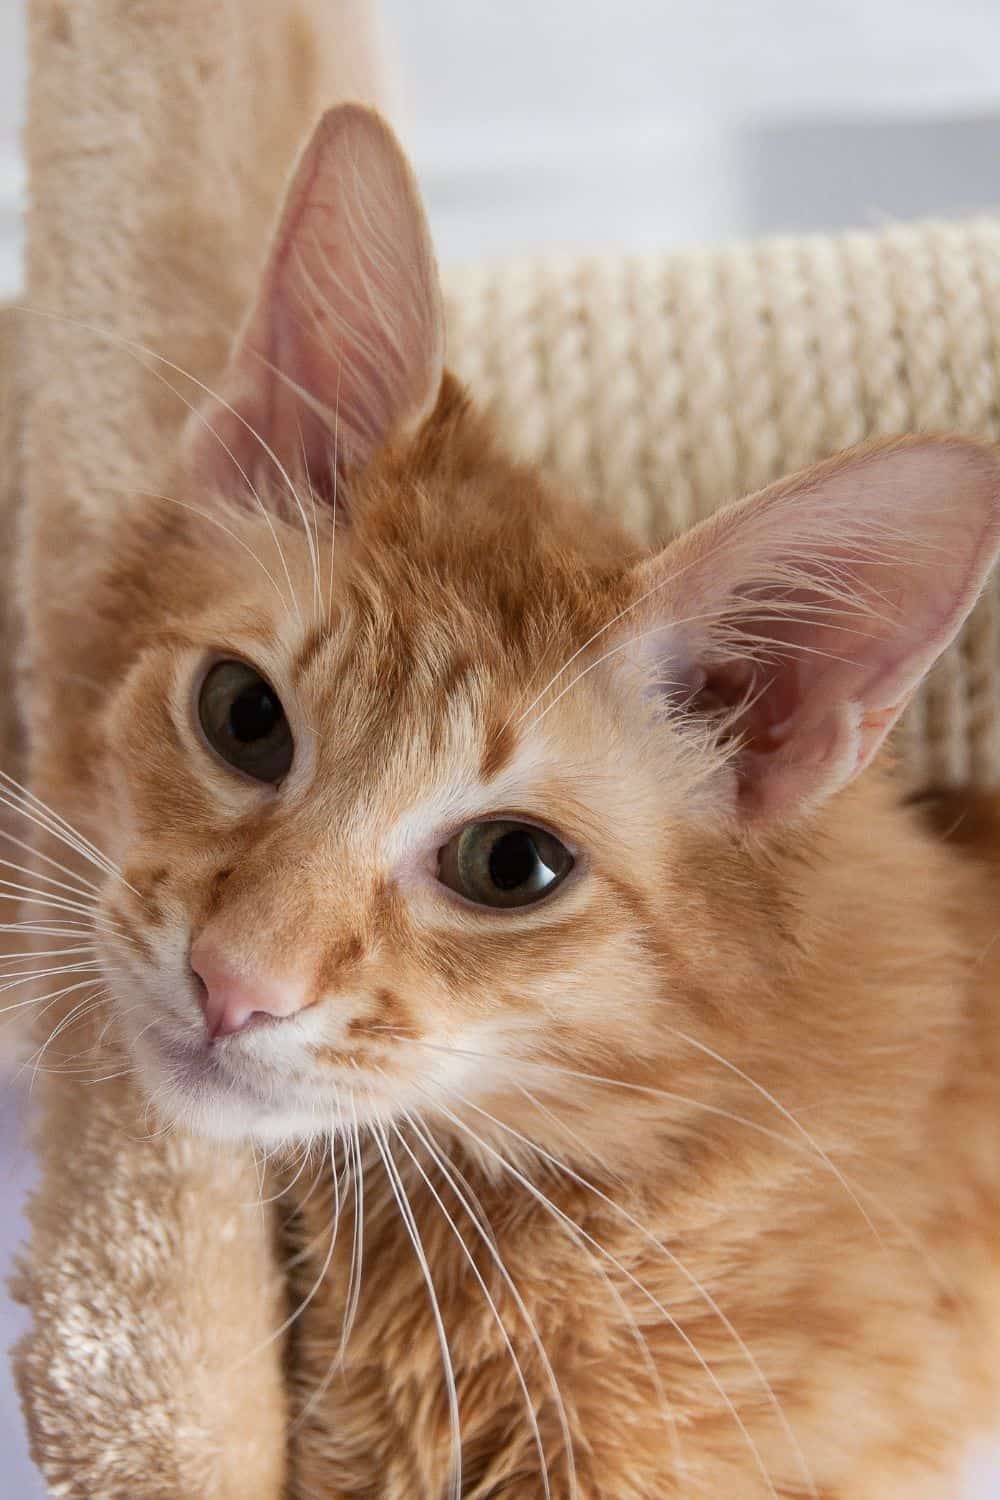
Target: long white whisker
x=207 y=515
x=48 y=1000
x=74 y=890
x=837 y=594
x=808 y=1145
x=570 y=1230
x=312 y=531
x=787 y=1115
x=24 y=810
x=77 y=1011
x=495 y=1311
x=38 y=854
x=353 y=1145
x=86 y=846
x=118 y=1014
x=57 y=904
x=644 y=1291
x=259 y=1167
x=110 y=1077
x=679 y=1266
x=51 y=898
x=45 y=1000
x=609 y=625
x=615 y=1083
x=410 y=1224
x=276 y=1197
x=26 y=976
x=37 y=928
x=336 y=485
x=337 y=1133
x=437 y=1156
x=35 y=953
x=571 y=1134
x=308 y=1248
x=633 y=640
x=294 y=1316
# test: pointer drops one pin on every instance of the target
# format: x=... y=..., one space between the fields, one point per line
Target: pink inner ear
x=758 y=697
x=343 y=350
x=808 y=614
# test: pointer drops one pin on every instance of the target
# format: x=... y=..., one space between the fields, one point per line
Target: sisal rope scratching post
x=659 y=387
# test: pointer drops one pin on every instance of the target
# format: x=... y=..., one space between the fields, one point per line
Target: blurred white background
x=640 y=123
x=651 y=122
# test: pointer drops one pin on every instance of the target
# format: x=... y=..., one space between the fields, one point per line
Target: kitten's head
x=424 y=782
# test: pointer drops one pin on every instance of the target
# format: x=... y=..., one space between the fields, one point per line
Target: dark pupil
x=513 y=860
x=254 y=713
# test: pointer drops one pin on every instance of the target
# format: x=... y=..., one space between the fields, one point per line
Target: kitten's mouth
x=218 y=1088
x=195 y=1070
x=200 y=1061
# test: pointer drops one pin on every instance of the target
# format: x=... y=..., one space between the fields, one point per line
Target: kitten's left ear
x=344 y=348
x=804 y=617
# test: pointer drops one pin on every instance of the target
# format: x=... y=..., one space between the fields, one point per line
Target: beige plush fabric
x=657 y=388
x=661 y=386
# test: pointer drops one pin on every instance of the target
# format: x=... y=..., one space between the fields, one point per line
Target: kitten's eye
x=503 y=864
x=243 y=720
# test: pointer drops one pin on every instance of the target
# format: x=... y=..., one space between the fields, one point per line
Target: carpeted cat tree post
x=158 y=136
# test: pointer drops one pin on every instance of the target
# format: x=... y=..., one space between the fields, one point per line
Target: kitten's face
x=416 y=807
x=444 y=875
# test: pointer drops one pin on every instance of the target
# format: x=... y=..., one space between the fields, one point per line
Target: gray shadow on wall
x=802 y=175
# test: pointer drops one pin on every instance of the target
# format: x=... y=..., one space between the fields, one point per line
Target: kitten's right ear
x=343 y=350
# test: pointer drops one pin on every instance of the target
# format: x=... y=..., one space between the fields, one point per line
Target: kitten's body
x=800 y=1235
x=755 y=1024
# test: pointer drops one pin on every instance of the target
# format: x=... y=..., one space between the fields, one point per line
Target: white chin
x=200 y=1098
x=215 y=1113
x=210 y=1092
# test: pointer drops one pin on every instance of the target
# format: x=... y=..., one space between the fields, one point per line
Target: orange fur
x=725 y=1109
x=839 y=965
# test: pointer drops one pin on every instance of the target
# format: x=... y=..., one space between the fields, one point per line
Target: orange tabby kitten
x=560 y=891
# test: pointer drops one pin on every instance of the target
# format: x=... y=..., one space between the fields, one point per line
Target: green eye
x=244 y=723
x=503 y=864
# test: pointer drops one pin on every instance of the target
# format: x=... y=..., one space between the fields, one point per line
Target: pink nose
x=233 y=999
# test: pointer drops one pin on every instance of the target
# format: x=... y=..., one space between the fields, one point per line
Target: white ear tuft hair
x=804 y=617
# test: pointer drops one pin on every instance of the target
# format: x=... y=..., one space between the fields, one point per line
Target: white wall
x=648 y=122
x=657 y=121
